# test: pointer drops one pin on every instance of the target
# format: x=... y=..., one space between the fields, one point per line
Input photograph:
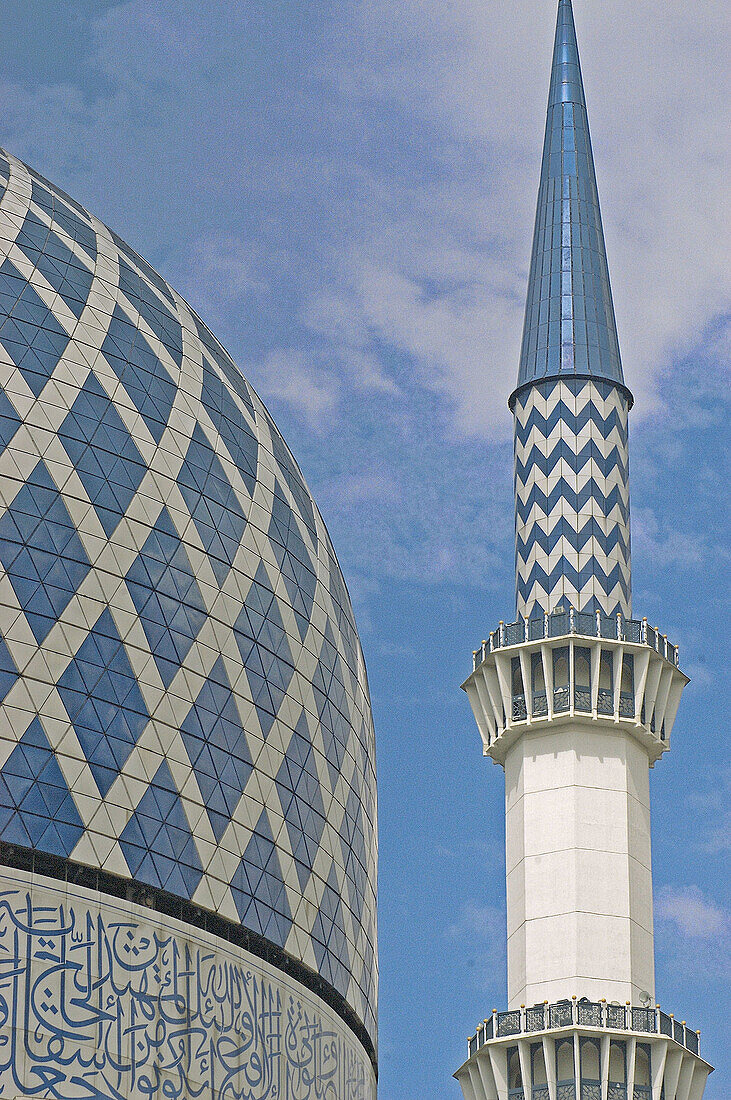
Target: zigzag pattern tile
x=572 y=498
x=183 y=694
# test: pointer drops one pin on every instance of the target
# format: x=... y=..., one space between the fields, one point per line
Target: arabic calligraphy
x=95 y=1004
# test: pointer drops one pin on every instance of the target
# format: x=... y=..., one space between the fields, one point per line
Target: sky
x=345 y=191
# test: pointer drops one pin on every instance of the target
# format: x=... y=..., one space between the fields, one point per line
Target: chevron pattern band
x=572 y=497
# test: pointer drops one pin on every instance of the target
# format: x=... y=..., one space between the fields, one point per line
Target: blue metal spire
x=570 y=327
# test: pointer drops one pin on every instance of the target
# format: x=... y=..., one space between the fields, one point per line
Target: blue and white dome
x=184 y=701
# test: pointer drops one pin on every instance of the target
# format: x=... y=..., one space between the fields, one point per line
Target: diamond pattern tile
x=264 y=648
x=258 y=886
x=101 y=696
x=217 y=748
x=300 y=796
x=41 y=552
x=230 y=423
x=36 y=806
x=169 y=602
x=56 y=262
x=103 y=453
x=157 y=842
x=213 y=504
x=181 y=679
x=140 y=371
x=29 y=332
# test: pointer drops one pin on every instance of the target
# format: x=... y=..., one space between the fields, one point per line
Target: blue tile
x=149 y=272
x=41 y=552
x=100 y=693
x=140 y=371
x=231 y=425
x=8 y=670
x=159 y=316
x=328 y=937
x=213 y=504
x=157 y=842
x=65 y=272
x=36 y=807
x=29 y=332
x=65 y=212
x=293 y=477
x=264 y=648
x=103 y=453
x=167 y=597
x=216 y=744
x=300 y=795
x=258 y=887
x=225 y=364
x=9 y=421
x=332 y=705
x=293 y=560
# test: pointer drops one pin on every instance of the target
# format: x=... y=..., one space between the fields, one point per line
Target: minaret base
x=577 y=1050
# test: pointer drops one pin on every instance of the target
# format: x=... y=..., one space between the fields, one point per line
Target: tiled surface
x=182 y=692
x=572 y=498
x=104 y=998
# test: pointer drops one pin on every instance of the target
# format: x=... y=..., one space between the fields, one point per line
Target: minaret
x=576 y=700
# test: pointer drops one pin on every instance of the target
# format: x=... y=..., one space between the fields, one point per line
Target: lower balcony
x=579 y=1050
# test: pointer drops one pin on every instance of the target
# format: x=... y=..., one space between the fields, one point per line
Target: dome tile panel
x=183 y=697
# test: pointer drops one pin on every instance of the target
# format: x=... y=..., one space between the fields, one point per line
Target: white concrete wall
x=579 y=882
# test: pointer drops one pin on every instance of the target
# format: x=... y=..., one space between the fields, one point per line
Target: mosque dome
x=183 y=699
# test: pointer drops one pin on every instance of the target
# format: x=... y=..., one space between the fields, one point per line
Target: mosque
x=187 y=767
x=576 y=699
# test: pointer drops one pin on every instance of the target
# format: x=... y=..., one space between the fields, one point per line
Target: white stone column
x=579 y=884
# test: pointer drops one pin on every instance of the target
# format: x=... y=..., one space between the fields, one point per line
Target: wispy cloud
x=289 y=377
x=665 y=546
x=691 y=914
x=711 y=802
x=480 y=931
x=692 y=934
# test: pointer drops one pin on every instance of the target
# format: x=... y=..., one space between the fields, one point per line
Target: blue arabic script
x=96 y=1005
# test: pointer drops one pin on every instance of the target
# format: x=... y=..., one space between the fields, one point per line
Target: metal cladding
x=183 y=698
x=571 y=405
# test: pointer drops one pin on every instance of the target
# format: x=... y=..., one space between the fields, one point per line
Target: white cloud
x=692 y=937
x=288 y=377
x=712 y=803
x=480 y=932
x=691 y=914
x=664 y=545
x=224 y=262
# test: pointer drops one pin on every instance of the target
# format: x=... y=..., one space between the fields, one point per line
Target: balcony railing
x=586 y=624
x=600 y=1016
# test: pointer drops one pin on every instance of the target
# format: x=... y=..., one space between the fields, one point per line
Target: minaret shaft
x=579 y=880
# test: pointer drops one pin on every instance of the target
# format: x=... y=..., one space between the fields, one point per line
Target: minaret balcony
x=571 y=666
x=579 y=1050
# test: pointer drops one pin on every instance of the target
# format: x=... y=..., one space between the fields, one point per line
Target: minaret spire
x=570 y=326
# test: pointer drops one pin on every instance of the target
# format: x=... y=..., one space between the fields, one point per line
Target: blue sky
x=346 y=193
